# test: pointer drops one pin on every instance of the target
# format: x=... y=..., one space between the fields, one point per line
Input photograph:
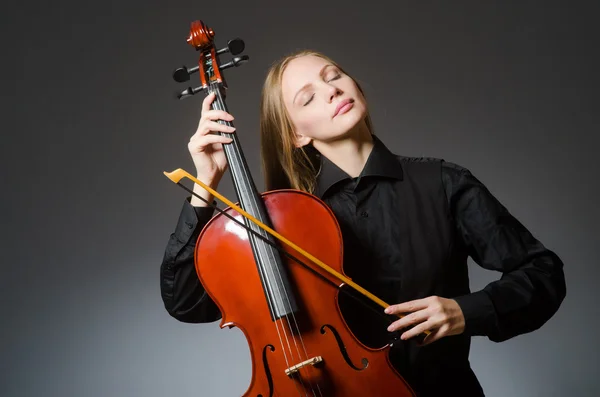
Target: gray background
x=507 y=89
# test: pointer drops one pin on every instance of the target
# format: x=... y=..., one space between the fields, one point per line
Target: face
x=323 y=103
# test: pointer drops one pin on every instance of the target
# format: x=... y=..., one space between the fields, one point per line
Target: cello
x=273 y=266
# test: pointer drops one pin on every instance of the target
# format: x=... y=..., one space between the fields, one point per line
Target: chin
x=351 y=119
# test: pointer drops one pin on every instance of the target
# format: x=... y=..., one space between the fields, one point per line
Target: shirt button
x=189 y=225
x=364 y=214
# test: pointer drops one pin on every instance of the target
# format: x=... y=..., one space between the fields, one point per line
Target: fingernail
x=390 y=328
x=387 y=310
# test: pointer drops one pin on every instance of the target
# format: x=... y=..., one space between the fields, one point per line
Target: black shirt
x=393 y=247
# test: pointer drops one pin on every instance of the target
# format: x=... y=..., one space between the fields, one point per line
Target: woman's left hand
x=441 y=316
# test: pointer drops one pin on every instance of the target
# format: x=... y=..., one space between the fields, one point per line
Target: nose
x=332 y=92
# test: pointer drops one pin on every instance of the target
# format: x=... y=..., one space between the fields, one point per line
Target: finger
x=210 y=126
x=199 y=145
x=411 y=319
x=207 y=102
x=419 y=329
x=216 y=114
x=407 y=307
x=436 y=334
x=216 y=126
x=432 y=337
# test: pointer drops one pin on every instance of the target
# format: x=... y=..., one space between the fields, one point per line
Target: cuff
x=478 y=311
x=192 y=220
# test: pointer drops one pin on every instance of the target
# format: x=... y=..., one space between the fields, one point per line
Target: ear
x=302 y=140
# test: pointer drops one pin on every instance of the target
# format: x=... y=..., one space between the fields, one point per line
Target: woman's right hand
x=206 y=148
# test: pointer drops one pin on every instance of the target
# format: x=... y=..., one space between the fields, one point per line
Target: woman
x=408 y=226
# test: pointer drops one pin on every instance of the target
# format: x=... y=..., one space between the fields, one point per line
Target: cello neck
x=270 y=266
x=273 y=275
x=243 y=182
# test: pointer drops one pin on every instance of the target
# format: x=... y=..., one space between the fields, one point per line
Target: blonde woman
x=408 y=226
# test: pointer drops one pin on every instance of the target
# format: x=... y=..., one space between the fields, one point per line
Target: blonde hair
x=285 y=165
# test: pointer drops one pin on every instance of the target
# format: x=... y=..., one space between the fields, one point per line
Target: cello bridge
x=295 y=368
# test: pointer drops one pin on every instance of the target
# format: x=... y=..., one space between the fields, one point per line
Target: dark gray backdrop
x=508 y=89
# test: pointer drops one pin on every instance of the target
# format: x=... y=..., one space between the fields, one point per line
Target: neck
x=351 y=152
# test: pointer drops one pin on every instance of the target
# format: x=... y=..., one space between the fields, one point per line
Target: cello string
x=221 y=105
x=309 y=368
x=279 y=301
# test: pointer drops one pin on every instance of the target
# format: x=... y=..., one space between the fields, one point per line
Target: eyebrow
x=321 y=73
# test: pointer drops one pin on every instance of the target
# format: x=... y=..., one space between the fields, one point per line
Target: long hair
x=285 y=165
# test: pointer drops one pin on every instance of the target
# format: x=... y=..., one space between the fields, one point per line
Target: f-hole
x=343 y=350
x=267 y=369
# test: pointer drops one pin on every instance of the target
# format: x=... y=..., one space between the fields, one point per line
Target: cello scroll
x=209 y=67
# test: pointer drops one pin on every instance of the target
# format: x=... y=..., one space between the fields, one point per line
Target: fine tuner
x=208 y=62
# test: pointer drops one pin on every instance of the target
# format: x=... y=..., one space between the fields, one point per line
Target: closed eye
x=309 y=99
x=337 y=76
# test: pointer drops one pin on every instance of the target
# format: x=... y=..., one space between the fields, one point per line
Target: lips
x=341 y=106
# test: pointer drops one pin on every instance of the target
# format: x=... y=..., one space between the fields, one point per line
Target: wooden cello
x=283 y=297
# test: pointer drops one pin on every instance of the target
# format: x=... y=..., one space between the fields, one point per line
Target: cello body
x=226 y=267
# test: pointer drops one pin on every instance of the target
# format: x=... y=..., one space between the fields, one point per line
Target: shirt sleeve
x=182 y=293
x=532 y=285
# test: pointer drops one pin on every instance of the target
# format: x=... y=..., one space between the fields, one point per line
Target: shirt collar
x=381 y=162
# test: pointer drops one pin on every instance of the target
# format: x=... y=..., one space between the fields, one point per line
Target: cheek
x=360 y=104
x=310 y=122
x=360 y=97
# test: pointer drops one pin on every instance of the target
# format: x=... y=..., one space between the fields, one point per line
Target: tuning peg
x=235 y=47
x=188 y=92
x=237 y=61
x=183 y=73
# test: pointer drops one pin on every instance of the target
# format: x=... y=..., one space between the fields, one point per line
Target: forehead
x=300 y=71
